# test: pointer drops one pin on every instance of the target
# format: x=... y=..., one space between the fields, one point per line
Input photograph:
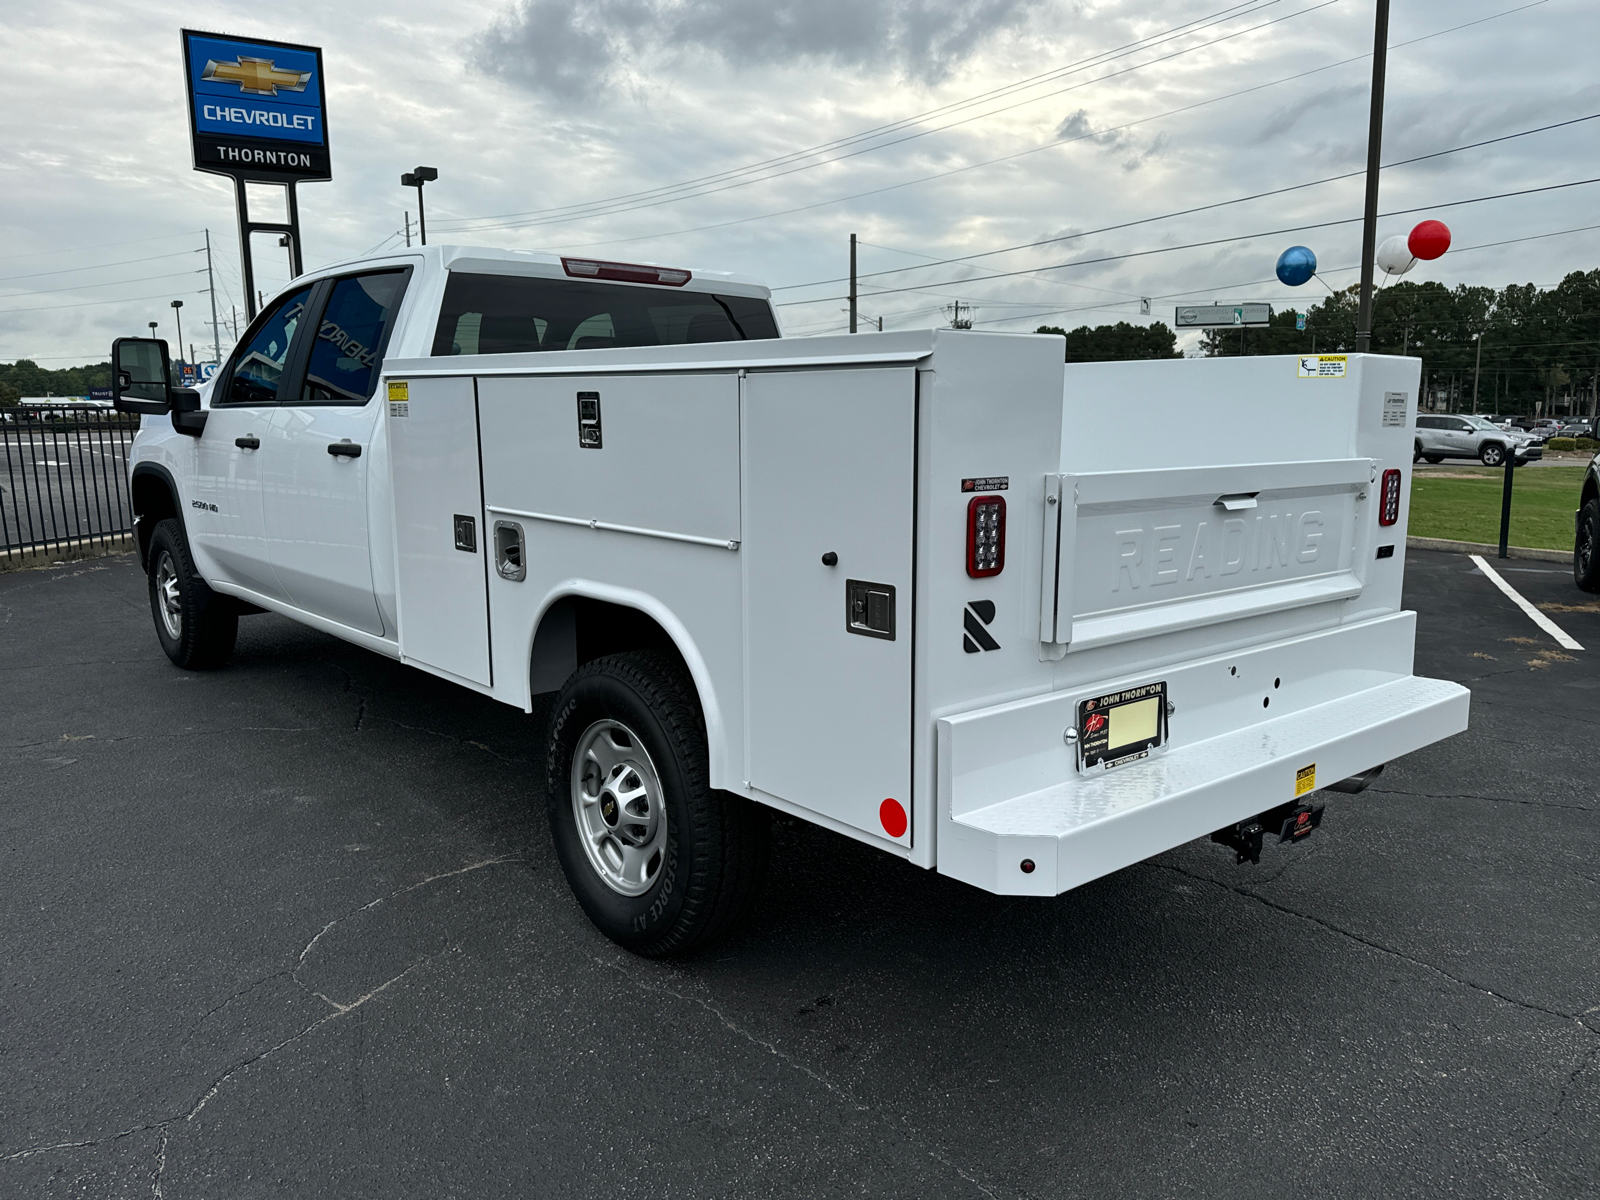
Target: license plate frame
x=1095 y=725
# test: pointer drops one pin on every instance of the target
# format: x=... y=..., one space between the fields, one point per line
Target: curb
x=69 y=550
x=1533 y=552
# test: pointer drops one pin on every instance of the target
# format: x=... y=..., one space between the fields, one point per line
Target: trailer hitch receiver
x=1291 y=822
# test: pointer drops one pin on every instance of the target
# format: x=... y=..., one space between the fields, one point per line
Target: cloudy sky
x=757 y=136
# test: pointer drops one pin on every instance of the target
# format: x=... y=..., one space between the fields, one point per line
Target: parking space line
x=1537 y=617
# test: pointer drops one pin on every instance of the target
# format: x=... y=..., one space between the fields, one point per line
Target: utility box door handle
x=869 y=608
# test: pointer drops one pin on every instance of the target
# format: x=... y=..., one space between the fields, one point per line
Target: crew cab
x=926 y=589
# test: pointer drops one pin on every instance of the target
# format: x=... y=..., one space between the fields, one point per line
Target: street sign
x=257 y=108
x=1300 y=322
x=1208 y=316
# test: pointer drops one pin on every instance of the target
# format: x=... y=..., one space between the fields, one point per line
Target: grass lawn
x=1468 y=509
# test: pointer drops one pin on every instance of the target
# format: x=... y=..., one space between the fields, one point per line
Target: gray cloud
x=577 y=48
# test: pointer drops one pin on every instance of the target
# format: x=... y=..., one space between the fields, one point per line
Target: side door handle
x=344 y=449
x=247 y=443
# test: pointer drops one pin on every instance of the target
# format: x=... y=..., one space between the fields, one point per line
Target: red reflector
x=591 y=268
x=986 y=536
x=893 y=816
x=1389 y=498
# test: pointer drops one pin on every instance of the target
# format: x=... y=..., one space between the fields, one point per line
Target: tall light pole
x=416 y=179
x=177 y=306
x=1369 y=226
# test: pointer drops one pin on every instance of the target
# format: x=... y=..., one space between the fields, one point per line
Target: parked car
x=1453 y=436
x=1579 y=428
x=1586 y=532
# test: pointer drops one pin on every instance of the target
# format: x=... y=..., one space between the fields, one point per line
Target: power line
x=879 y=130
x=1084 y=262
x=83 y=287
x=602 y=210
x=103 y=245
x=89 y=303
x=97 y=266
x=1185 y=212
x=1059 y=142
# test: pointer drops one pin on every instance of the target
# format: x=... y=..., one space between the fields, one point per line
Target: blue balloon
x=1296 y=265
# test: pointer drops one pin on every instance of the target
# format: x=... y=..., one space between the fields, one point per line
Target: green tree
x=1119 y=342
x=30 y=379
x=8 y=395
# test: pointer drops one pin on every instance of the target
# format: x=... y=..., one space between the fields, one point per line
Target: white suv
x=1439 y=438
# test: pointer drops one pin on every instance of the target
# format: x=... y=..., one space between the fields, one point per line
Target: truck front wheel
x=196 y=627
x=659 y=861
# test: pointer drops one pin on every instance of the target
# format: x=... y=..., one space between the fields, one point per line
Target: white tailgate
x=1133 y=554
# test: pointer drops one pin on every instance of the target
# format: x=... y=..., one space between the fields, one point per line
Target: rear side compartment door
x=828 y=478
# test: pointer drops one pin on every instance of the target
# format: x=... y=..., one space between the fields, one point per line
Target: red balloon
x=1429 y=240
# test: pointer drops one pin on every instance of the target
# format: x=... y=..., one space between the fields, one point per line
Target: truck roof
x=548 y=265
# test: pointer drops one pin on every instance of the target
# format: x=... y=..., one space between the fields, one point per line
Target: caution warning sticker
x=1305 y=780
x=1322 y=366
x=399 y=398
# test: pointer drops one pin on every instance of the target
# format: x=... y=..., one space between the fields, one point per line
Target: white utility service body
x=1203 y=533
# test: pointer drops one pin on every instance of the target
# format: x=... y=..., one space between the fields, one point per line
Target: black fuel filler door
x=869 y=608
x=589 y=420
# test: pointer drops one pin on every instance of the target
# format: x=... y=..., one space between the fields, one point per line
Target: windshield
x=1482 y=423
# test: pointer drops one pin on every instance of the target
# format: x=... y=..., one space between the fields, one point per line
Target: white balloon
x=1394 y=256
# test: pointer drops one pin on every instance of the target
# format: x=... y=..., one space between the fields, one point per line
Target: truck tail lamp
x=591 y=268
x=986 y=536
x=1389 y=498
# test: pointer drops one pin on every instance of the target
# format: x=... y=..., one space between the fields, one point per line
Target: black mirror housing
x=141 y=376
x=187 y=415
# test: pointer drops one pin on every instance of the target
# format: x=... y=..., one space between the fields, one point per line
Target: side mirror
x=141 y=376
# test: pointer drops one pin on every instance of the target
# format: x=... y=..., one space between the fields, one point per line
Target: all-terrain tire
x=195 y=625
x=715 y=847
x=1586 y=548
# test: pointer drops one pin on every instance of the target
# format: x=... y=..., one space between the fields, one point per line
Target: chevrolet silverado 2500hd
x=932 y=590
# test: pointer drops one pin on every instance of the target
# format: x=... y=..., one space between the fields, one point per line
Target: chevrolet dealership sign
x=256 y=108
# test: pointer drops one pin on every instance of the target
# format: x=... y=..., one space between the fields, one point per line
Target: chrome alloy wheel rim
x=168 y=598
x=618 y=807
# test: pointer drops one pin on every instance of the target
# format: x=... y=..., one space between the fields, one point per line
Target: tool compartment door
x=441 y=581
x=829 y=468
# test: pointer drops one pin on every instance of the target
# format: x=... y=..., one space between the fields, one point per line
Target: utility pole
x=408 y=228
x=852 y=283
x=235 y=308
x=1369 y=224
x=177 y=312
x=211 y=285
x=1477 y=365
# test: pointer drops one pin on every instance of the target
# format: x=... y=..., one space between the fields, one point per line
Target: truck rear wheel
x=196 y=626
x=1586 y=548
x=659 y=861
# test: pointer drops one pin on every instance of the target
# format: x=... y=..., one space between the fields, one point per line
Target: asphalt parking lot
x=295 y=928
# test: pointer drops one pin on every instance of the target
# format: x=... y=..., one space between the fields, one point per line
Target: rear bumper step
x=1081 y=827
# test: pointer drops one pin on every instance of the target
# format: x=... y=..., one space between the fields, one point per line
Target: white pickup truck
x=1018 y=622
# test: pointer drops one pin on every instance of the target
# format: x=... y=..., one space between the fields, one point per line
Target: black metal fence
x=63 y=478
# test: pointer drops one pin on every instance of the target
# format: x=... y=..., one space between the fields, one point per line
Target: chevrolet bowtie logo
x=256 y=76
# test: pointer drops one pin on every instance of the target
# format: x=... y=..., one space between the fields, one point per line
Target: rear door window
x=259 y=365
x=348 y=351
x=501 y=314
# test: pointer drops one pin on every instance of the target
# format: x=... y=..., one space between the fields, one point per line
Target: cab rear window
x=501 y=314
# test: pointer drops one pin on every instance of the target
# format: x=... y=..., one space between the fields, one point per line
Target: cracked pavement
x=295 y=928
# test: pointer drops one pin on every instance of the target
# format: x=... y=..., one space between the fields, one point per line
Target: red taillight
x=1389 y=498
x=590 y=268
x=986 y=536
